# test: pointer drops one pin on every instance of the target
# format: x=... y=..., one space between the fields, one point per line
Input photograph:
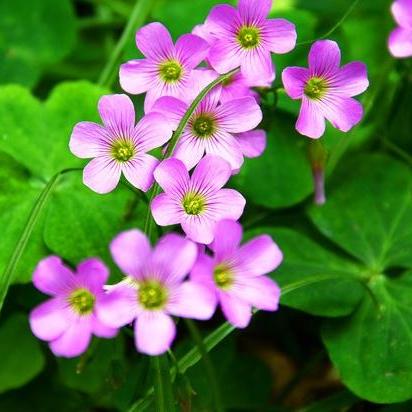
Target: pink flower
x=236 y=87
x=167 y=68
x=68 y=320
x=326 y=90
x=212 y=126
x=400 y=40
x=119 y=146
x=156 y=289
x=196 y=202
x=236 y=273
x=245 y=37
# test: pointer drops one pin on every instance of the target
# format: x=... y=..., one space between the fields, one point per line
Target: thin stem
x=138 y=16
x=209 y=368
x=335 y=27
x=35 y=213
x=397 y=150
x=176 y=136
x=159 y=387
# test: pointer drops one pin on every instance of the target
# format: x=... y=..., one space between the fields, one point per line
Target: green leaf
x=320 y=282
x=369 y=211
x=281 y=177
x=37 y=134
x=22 y=363
x=34 y=34
x=372 y=348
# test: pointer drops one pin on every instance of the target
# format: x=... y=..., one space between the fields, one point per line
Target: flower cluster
x=189 y=276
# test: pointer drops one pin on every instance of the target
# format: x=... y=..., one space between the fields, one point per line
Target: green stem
x=35 y=213
x=335 y=27
x=162 y=384
x=138 y=16
x=176 y=136
x=397 y=150
x=209 y=368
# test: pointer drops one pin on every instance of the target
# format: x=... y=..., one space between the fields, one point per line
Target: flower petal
x=193 y=300
x=210 y=174
x=402 y=12
x=49 y=320
x=166 y=211
x=152 y=131
x=199 y=228
x=138 y=76
x=129 y=250
x=254 y=10
x=236 y=311
x=139 y=171
x=240 y=115
x=228 y=234
x=191 y=50
x=189 y=150
x=172 y=108
x=324 y=58
x=311 y=121
x=279 y=35
x=226 y=204
x=102 y=174
x=172 y=176
x=294 y=80
x=75 y=340
x=175 y=253
x=52 y=277
x=253 y=143
x=400 y=42
x=257 y=67
x=88 y=140
x=154 y=41
x=93 y=274
x=154 y=333
x=224 y=55
x=351 y=80
x=259 y=256
x=221 y=20
x=202 y=271
x=117 y=112
x=101 y=330
x=118 y=307
x=260 y=292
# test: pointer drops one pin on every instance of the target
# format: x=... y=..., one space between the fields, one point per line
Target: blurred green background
x=342 y=341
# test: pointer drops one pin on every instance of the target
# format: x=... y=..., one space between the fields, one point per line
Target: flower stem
x=176 y=136
x=35 y=213
x=163 y=386
x=209 y=368
x=318 y=156
x=138 y=16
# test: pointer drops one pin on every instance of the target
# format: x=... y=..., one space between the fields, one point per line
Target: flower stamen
x=203 y=126
x=123 y=150
x=223 y=277
x=193 y=203
x=152 y=295
x=171 y=71
x=248 y=37
x=82 y=301
x=316 y=88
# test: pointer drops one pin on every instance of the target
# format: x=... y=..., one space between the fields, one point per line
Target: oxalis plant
x=161 y=206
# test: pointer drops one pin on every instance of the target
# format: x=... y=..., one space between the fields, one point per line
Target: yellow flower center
x=152 y=295
x=171 y=71
x=248 y=37
x=123 y=150
x=82 y=301
x=223 y=277
x=203 y=125
x=194 y=203
x=316 y=88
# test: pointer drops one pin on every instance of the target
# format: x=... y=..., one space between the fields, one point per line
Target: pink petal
x=193 y=300
x=280 y=35
x=400 y=42
x=210 y=174
x=311 y=121
x=254 y=10
x=224 y=55
x=221 y=20
x=172 y=176
x=228 y=234
x=118 y=307
x=257 y=67
x=138 y=76
x=294 y=80
x=154 y=333
x=351 y=80
x=154 y=41
x=117 y=112
x=102 y=174
x=175 y=253
x=93 y=274
x=260 y=292
x=236 y=311
x=172 y=108
x=227 y=147
x=226 y=204
x=75 y=340
x=324 y=58
x=240 y=115
x=139 y=171
x=259 y=256
x=52 y=277
x=152 y=131
x=191 y=50
x=166 y=211
x=402 y=12
x=88 y=140
x=253 y=143
x=153 y=94
x=101 y=330
x=189 y=150
x=49 y=320
x=202 y=271
x=129 y=250
x=343 y=113
x=199 y=228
